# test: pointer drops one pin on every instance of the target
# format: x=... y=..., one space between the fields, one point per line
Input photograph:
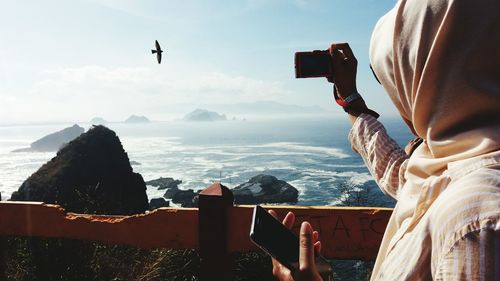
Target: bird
x=158 y=51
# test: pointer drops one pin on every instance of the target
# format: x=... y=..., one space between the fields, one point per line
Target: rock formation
x=156 y=203
x=164 y=183
x=91 y=174
x=259 y=189
x=184 y=197
x=265 y=189
x=54 y=141
x=204 y=115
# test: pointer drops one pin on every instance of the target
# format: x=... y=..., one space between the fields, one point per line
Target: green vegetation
x=39 y=259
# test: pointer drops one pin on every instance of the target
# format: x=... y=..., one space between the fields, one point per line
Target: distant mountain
x=98 y=121
x=204 y=115
x=54 y=141
x=277 y=108
x=268 y=108
x=137 y=119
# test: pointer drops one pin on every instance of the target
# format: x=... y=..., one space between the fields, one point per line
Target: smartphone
x=313 y=64
x=282 y=244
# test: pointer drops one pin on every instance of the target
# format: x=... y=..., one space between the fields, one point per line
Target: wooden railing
x=216 y=228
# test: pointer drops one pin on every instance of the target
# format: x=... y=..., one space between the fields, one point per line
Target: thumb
x=306 y=252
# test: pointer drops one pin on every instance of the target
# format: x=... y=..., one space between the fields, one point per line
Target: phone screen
x=274 y=238
x=312 y=64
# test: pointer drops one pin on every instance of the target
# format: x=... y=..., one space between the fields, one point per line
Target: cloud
x=81 y=93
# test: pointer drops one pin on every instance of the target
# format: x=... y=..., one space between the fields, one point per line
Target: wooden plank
x=345 y=232
x=163 y=228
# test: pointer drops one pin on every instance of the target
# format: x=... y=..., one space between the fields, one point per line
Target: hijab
x=439 y=61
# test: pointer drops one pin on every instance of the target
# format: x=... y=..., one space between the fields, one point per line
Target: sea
x=312 y=154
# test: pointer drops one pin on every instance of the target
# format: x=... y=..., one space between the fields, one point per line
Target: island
x=204 y=115
x=54 y=141
x=98 y=121
x=137 y=119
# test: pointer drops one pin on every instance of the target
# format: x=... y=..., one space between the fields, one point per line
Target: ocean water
x=312 y=154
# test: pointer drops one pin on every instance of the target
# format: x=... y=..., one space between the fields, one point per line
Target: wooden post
x=3 y=258
x=214 y=204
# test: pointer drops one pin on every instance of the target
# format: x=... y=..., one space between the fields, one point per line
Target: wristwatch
x=353 y=103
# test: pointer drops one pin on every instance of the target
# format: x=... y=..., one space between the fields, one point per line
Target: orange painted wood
x=346 y=232
x=163 y=228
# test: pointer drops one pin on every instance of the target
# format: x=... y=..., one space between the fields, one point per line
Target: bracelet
x=352 y=97
x=346 y=103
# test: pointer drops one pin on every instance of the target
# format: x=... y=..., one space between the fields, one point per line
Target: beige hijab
x=439 y=61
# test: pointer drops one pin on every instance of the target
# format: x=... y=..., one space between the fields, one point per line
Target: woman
x=439 y=61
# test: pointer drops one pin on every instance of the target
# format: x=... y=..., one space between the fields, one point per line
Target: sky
x=74 y=60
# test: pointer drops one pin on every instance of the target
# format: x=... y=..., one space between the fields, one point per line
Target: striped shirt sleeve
x=385 y=159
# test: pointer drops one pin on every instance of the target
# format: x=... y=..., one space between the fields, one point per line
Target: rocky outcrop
x=186 y=198
x=259 y=189
x=171 y=192
x=164 y=183
x=265 y=189
x=183 y=197
x=91 y=174
x=54 y=141
x=204 y=115
x=137 y=119
x=156 y=203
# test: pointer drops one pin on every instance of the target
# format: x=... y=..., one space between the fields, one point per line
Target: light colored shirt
x=446 y=229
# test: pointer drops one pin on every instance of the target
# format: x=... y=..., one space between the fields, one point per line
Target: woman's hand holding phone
x=308 y=245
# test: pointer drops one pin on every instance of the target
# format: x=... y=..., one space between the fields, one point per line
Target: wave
x=337 y=152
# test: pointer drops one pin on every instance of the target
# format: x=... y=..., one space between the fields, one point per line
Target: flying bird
x=158 y=51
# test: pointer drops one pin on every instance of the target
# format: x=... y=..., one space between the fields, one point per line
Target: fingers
x=317 y=243
x=337 y=56
x=306 y=251
x=281 y=272
x=342 y=48
x=308 y=240
x=308 y=246
x=344 y=65
x=317 y=247
x=288 y=221
x=274 y=214
x=346 y=49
